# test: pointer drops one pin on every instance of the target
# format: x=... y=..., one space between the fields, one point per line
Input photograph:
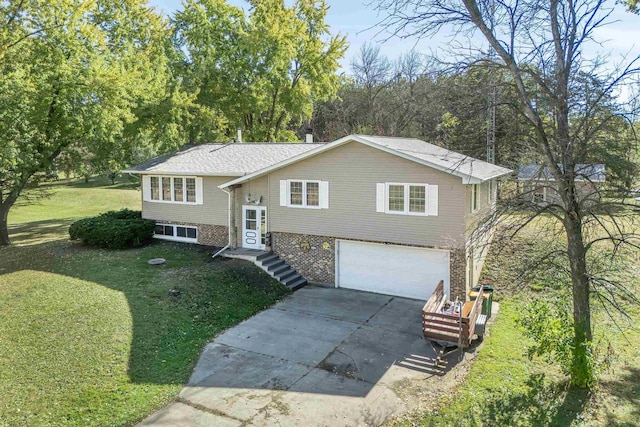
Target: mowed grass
x=505 y=388
x=92 y=337
x=45 y=215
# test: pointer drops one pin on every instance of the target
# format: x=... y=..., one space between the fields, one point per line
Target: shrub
x=113 y=230
x=548 y=323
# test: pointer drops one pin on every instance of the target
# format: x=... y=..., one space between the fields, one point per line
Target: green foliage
x=632 y=5
x=113 y=230
x=549 y=324
x=262 y=70
x=75 y=78
x=584 y=365
x=550 y=327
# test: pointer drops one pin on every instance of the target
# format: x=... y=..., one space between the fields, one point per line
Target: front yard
x=93 y=337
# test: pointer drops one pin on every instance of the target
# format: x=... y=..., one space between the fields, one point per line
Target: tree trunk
x=4 y=226
x=582 y=365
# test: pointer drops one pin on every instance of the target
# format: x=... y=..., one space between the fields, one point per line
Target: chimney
x=309 y=138
x=239 y=135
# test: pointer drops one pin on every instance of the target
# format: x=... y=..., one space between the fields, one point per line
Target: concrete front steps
x=272 y=264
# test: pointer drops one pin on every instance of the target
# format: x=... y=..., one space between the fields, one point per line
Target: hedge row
x=113 y=230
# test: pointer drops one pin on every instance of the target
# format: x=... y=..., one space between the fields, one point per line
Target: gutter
x=228 y=224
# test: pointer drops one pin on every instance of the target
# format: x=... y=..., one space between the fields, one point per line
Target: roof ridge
x=276 y=143
x=392 y=137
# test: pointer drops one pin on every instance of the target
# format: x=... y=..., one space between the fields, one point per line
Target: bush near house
x=113 y=230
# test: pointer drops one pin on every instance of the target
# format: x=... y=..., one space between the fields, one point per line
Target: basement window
x=178 y=233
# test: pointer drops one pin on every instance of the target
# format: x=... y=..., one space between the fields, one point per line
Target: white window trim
x=475 y=196
x=176 y=238
x=407 y=202
x=304 y=193
x=184 y=190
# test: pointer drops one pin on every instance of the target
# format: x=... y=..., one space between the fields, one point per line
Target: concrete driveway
x=321 y=357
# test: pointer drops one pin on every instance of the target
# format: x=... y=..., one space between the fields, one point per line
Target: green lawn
x=92 y=337
x=46 y=215
x=505 y=388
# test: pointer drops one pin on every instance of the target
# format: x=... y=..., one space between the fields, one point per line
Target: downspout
x=228 y=224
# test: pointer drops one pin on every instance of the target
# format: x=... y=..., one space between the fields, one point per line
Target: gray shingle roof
x=232 y=159
x=471 y=170
x=443 y=159
x=584 y=172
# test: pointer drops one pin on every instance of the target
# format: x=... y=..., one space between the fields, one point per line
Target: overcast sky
x=354 y=19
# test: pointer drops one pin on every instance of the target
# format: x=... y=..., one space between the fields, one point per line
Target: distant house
x=378 y=214
x=538 y=185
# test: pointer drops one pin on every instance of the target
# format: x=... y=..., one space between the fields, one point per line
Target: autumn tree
x=261 y=70
x=540 y=45
x=73 y=75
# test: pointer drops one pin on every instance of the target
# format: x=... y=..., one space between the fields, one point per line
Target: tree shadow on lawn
x=169 y=330
x=626 y=388
x=106 y=185
x=541 y=403
x=37 y=232
x=100 y=181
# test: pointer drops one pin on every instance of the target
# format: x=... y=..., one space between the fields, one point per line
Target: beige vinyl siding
x=353 y=170
x=213 y=210
x=471 y=218
x=477 y=245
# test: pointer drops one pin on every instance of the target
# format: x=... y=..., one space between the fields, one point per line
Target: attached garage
x=403 y=271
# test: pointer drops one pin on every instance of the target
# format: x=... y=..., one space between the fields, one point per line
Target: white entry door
x=254 y=227
x=390 y=269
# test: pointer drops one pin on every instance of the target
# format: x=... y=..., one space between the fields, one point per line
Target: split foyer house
x=379 y=214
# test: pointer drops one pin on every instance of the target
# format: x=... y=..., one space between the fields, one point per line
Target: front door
x=254 y=227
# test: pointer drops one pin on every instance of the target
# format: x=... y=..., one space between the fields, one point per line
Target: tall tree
x=262 y=70
x=423 y=100
x=540 y=45
x=72 y=74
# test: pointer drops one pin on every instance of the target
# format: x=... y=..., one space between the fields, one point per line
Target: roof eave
x=499 y=175
x=184 y=173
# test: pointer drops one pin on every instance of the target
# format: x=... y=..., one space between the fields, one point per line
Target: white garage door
x=390 y=269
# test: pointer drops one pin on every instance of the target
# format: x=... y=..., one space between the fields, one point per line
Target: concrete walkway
x=321 y=357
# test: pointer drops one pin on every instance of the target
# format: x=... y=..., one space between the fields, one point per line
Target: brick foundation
x=314 y=258
x=213 y=235
x=458 y=273
x=311 y=256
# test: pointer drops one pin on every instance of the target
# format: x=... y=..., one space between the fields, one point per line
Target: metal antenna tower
x=491 y=98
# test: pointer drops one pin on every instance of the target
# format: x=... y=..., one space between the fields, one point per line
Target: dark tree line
x=417 y=96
